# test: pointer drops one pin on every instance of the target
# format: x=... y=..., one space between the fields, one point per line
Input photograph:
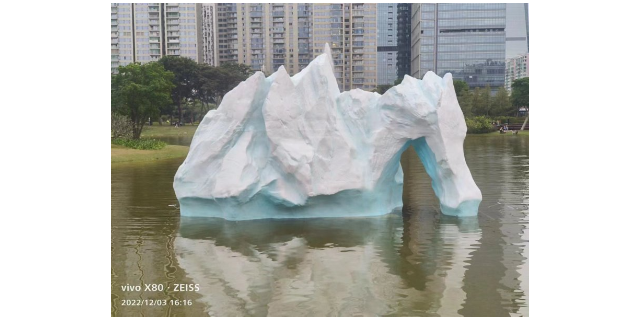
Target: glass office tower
x=464 y=39
x=387 y=43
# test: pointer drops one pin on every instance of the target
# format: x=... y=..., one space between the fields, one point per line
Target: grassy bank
x=497 y=133
x=120 y=154
x=155 y=131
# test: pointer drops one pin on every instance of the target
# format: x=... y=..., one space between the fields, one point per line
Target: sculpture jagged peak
x=295 y=147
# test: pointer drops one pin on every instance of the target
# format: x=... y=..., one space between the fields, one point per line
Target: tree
x=520 y=93
x=484 y=101
x=460 y=86
x=520 y=96
x=466 y=103
x=139 y=91
x=382 y=88
x=475 y=102
x=230 y=75
x=397 y=82
x=500 y=104
x=185 y=71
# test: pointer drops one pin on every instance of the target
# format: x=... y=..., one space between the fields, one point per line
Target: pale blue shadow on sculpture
x=296 y=147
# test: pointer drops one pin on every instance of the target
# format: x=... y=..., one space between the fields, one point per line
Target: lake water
x=411 y=262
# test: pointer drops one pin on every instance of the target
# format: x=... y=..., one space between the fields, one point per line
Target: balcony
x=154 y=9
x=171 y=40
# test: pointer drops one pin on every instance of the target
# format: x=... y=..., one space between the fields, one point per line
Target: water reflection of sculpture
x=327 y=267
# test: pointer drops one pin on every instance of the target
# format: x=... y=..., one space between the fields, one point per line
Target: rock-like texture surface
x=295 y=147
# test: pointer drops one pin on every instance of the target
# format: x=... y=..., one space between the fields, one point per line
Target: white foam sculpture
x=295 y=147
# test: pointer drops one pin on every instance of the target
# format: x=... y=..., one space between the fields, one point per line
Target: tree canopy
x=520 y=92
x=139 y=91
x=185 y=72
x=460 y=87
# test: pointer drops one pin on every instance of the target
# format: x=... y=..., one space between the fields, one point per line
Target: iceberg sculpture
x=295 y=147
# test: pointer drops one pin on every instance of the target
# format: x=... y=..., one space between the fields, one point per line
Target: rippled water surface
x=411 y=262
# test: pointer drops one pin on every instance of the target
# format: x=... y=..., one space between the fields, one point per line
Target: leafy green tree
x=460 y=86
x=485 y=100
x=500 y=104
x=139 y=91
x=397 y=82
x=520 y=92
x=520 y=96
x=185 y=71
x=230 y=75
x=466 y=102
x=209 y=79
x=476 y=102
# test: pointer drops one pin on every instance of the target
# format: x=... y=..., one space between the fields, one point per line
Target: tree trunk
x=525 y=121
x=159 y=120
x=180 y=112
x=137 y=131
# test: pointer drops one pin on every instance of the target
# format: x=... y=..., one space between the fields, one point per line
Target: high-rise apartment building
x=265 y=36
x=403 y=62
x=143 y=32
x=516 y=68
x=121 y=35
x=387 y=43
x=464 y=39
x=209 y=34
x=350 y=29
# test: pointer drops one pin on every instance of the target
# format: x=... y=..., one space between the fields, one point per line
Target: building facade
x=144 y=32
x=209 y=33
x=387 y=43
x=265 y=36
x=403 y=62
x=517 y=29
x=464 y=39
x=351 y=31
x=516 y=68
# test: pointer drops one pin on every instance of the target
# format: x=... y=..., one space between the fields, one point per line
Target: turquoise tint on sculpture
x=296 y=147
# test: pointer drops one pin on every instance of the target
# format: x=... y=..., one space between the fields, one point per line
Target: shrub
x=121 y=126
x=142 y=144
x=480 y=124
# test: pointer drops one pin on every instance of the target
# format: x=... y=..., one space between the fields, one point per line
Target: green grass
x=120 y=154
x=167 y=131
x=141 y=144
